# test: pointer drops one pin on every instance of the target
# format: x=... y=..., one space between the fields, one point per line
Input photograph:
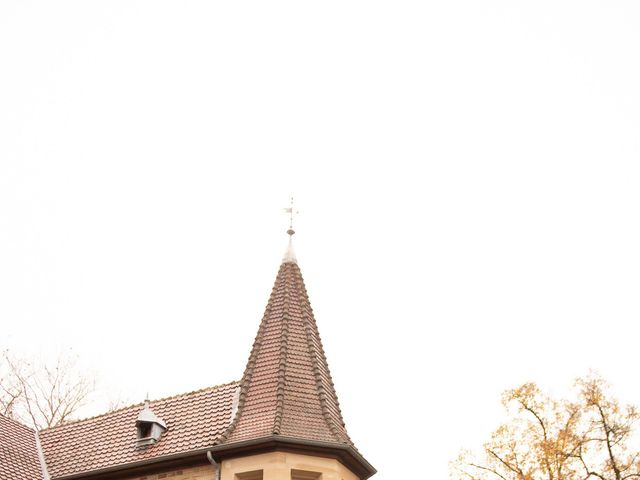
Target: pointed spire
x=287 y=389
x=287 y=398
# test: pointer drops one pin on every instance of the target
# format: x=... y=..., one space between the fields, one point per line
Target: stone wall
x=193 y=473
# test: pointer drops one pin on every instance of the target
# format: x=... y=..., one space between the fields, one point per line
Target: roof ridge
x=118 y=410
x=317 y=356
x=41 y=458
x=282 y=367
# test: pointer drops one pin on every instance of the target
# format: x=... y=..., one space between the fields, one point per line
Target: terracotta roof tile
x=18 y=452
x=286 y=392
x=286 y=389
x=195 y=420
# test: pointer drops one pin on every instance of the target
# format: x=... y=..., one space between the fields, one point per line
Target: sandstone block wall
x=194 y=473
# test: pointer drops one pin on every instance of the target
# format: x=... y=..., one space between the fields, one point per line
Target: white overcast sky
x=467 y=174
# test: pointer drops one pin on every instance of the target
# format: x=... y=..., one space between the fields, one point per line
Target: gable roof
x=18 y=452
x=287 y=389
x=194 y=420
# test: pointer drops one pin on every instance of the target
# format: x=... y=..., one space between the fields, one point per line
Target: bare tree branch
x=44 y=396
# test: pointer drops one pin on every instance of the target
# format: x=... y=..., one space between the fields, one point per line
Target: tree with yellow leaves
x=589 y=437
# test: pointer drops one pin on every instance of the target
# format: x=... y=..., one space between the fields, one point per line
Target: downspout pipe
x=215 y=464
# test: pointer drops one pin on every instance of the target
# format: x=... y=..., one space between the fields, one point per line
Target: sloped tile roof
x=194 y=420
x=287 y=389
x=18 y=452
x=286 y=393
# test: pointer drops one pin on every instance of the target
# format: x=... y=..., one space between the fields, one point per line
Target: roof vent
x=149 y=426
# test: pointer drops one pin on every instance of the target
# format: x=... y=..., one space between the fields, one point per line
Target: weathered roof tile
x=286 y=389
x=18 y=452
x=194 y=420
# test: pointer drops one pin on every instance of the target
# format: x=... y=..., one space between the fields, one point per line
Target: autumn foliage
x=588 y=437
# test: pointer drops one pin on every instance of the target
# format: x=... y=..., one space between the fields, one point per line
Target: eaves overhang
x=344 y=453
x=142 y=467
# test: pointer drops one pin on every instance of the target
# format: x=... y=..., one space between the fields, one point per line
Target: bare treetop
x=42 y=395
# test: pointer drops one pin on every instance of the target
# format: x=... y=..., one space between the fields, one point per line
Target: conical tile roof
x=286 y=389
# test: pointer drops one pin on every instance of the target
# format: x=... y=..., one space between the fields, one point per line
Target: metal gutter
x=149 y=462
x=344 y=453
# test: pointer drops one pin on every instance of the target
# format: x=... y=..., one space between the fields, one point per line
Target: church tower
x=288 y=424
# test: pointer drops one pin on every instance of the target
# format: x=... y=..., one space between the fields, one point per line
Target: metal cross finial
x=291 y=211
